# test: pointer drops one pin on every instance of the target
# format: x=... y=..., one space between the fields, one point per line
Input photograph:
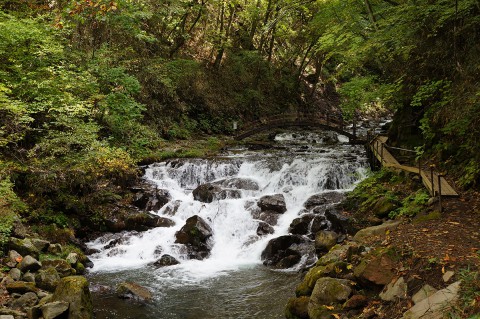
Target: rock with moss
x=297 y=308
x=74 y=290
x=384 y=206
x=21 y=287
x=56 y=309
x=377 y=270
x=327 y=292
x=63 y=268
x=25 y=301
x=195 y=234
x=307 y=285
x=339 y=252
x=375 y=232
x=24 y=247
x=47 y=278
x=325 y=240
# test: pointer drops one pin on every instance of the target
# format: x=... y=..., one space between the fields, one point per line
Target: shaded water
x=231 y=282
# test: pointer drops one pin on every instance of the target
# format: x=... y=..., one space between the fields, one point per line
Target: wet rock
x=172 y=207
x=264 y=229
x=396 y=289
x=275 y=203
x=26 y=300
x=24 y=247
x=47 y=279
x=297 y=308
x=149 y=198
x=54 y=309
x=29 y=263
x=131 y=290
x=314 y=201
x=328 y=291
x=195 y=234
x=166 y=260
x=238 y=183
x=21 y=287
x=268 y=217
x=319 y=223
x=339 y=222
x=325 y=240
x=300 y=225
x=146 y=221
x=278 y=253
x=375 y=232
x=63 y=268
x=338 y=253
x=74 y=291
x=331 y=182
x=207 y=193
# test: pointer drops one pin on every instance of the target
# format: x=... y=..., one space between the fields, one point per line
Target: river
x=232 y=282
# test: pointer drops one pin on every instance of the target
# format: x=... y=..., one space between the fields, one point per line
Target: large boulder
x=318 y=223
x=396 y=289
x=314 y=201
x=384 y=206
x=300 y=225
x=149 y=198
x=278 y=253
x=334 y=269
x=270 y=217
x=131 y=290
x=74 y=290
x=264 y=229
x=195 y=234
x=21 y=287
x=339 y=222
x=275 y=203
x=25 y=301
x=328 y=291
x=166 y=260
x=207 y=193
x=56 y=309
x=238 y=183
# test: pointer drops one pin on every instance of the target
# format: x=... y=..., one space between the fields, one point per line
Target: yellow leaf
x=349 y=266
x=336 y=315
x=330 y=307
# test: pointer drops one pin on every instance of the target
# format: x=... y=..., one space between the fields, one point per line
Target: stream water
x=232 y=282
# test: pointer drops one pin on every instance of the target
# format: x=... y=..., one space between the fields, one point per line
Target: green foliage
x=412 y=204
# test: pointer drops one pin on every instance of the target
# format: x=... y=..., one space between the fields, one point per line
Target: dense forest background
x=91 y=88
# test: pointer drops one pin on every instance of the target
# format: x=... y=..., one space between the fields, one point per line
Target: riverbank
x=422 y=264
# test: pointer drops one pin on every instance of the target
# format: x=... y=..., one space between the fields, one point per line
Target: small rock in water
x=131 y=290
x=166 y=260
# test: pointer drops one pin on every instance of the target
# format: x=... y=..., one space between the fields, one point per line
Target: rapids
x=231 y=282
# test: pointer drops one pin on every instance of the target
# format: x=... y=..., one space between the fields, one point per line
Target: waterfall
x=297 y=171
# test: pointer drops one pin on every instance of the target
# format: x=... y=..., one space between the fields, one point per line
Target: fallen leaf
x=18 y=259
x=330 y=307
x=336 y=315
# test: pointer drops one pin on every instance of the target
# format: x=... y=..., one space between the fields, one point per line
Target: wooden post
x=432 y=166
x=440 y=191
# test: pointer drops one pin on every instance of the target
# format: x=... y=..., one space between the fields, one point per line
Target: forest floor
x=433 y=244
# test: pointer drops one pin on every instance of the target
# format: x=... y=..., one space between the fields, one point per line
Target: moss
x=430 y=216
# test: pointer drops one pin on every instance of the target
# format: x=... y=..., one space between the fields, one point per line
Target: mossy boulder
x=307 y=285
x=47 y=279
x=195 y=234
x=63 y=267
x=75 y=291
x=328 y=291
x=297 y=308
x=384 y=206
x=21 y=287
x=24 y=247
x=377 y=270
x=375 y=232
x=325 y=240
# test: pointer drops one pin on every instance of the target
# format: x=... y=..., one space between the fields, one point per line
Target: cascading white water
x=235 y=243
x=231 y=282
